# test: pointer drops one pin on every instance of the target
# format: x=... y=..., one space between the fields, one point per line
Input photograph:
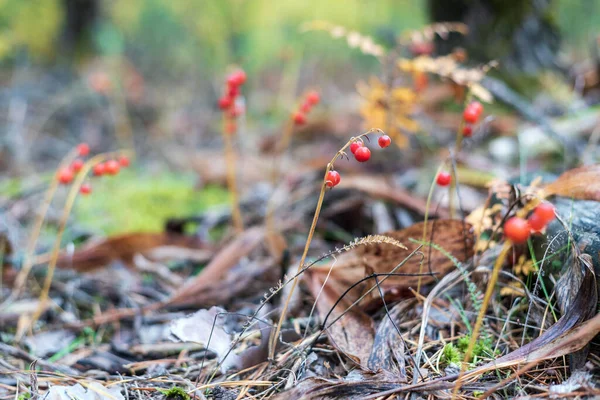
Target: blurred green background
x=175 y=35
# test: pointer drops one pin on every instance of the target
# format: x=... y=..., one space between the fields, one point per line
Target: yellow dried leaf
x=389 y=110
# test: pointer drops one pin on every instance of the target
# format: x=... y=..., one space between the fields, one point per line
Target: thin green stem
x=275 y=335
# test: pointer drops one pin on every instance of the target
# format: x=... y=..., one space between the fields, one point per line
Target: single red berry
x=305 y=107
x=444 y=178
x=536 y=222
x=355 y=146
x=299 y=118
x=99 y=169
x=237 y=78
x=517 y=230
x=545 y=211
x=85 y=189
x=65 y=176
x=384 y=141
x=362 y=154
x=333 y=178
x=233 y=92
x=124 y=161
x=76 y=165
x=225 y=102
x=83 y=149
x=477 y=107
x=112 y=167
x=467 y=130
x=470 y=115
x=313 y=97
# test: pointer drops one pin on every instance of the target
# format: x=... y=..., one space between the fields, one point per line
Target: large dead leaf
x=218 y=267
x=581 y=183
x=124 y=248
x=353 y=333
x=453 y=236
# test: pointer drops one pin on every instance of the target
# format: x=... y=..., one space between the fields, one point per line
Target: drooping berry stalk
x=74 y=190
x=230 y=162
x=39 y=222
x=231 y=111
x=341 y=152
x=426 y=216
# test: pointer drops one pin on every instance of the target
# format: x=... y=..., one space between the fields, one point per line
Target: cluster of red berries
x=111 y=167
x=227 y=102
x=519 y=229
x=312 y=99
x=361 y=154
x=471 y=115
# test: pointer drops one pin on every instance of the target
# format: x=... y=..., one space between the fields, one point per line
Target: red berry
x=305 y=107
x=313 y=97
x=443 y=178
x=517 y=230
x=233 y=92
x=124 y=161
x=545 y=211
x=536 y=222
x=99 y=169
x=384 y=141
x=112 y=167
x=85 y=189
x=470 y=115
x=299 y=118
x=478 y=107
x=362 y=154
x=237 y=78
x=65 y=176
x=76 y=165
x=355 y=146
x=83 y=149
x=333 y=178
x=467 y=130
x=225 y=102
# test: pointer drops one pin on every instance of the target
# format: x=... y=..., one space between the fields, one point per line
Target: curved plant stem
x=426 y=216
x=73 y=191
x=230 y=163
x=37 y=228
x=486 y=299
x=275 y=333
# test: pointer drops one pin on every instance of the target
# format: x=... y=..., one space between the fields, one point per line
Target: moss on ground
x=142 y=202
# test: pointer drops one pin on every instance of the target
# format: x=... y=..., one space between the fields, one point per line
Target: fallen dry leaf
x=221 y=263
x=353 y=334
x=124 y=247
x=581 y=183
x=206 y=327
x=568 y=335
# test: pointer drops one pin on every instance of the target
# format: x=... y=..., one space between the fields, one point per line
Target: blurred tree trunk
x=79 y=23
x=521 y=34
